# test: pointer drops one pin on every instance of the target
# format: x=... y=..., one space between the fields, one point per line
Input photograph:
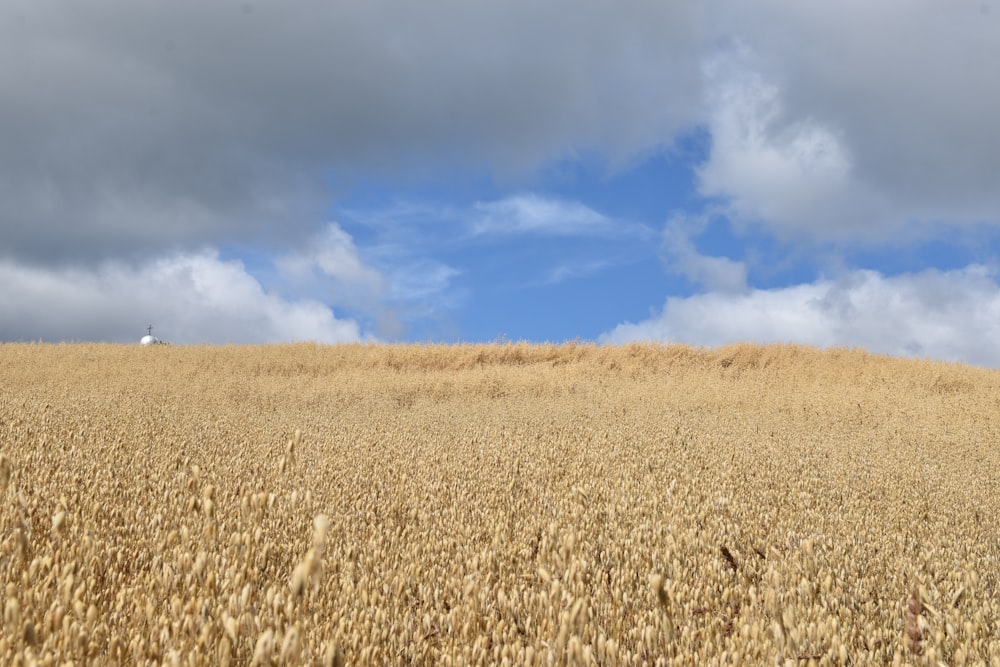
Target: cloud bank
x=128 y=127
x=837 y=126
x=947 y=315
x=189 y=298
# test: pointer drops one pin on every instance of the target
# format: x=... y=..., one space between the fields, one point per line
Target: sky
x=450 y=171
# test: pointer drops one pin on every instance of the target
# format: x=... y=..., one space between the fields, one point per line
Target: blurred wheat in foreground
x=504 y=504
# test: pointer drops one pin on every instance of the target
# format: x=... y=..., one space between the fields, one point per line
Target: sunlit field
x=501 y=504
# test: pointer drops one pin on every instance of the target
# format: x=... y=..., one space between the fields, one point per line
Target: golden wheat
x=504 y=504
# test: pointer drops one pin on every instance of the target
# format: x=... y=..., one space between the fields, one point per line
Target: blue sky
x=550 y=257
x=697 y=172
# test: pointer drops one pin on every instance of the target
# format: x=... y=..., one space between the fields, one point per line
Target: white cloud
x=680 y=256
x=329 y=268
x=534 y=214
x=411 y=283
x=189 y=298
x=422 y=279
x=574 y=270
x=949 y=315
x=333 y=254
x=792 y=174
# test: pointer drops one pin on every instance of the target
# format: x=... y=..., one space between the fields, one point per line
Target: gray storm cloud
x=128 y=127
x=135 y=127
x=855 y=118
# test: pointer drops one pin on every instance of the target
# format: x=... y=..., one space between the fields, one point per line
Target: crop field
x=496 y=504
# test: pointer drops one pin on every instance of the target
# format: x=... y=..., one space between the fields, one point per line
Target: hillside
x=515 y=504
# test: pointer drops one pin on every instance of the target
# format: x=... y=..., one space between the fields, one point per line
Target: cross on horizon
x=149 y=330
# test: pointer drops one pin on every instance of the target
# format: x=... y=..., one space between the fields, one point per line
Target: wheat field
x=498 y=504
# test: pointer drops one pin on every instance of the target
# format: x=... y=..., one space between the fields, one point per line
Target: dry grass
x=496 y=504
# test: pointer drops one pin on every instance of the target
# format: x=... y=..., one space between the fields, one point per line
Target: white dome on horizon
x=149 y=338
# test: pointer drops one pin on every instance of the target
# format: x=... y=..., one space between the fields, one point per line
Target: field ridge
x=489 y=504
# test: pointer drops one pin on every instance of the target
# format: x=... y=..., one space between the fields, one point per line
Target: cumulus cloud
x=681 y=256
x=792 y=174
x=949 y=315
x=333 y=254
x=130 y=127
x=189 y=297
x=854 y=118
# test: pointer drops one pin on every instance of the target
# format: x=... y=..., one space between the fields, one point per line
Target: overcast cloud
x=128 y=126
x=855 y=117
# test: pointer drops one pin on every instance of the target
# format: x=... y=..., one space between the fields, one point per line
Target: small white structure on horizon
x=149 y=338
